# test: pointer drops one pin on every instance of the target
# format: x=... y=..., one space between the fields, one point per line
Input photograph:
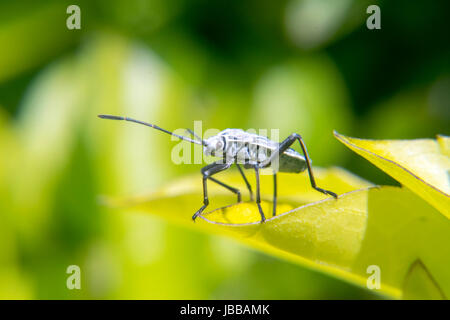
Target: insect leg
x=249 y=187
x=284 y=146
x=234 y=190
x=258 y=195
x=308 y=164
x=207 y=172
x=274 y=194
x=193 y=134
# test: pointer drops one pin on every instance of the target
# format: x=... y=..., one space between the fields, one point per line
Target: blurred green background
x=306 y=66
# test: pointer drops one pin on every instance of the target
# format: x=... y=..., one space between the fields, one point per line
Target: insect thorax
x=242 y=147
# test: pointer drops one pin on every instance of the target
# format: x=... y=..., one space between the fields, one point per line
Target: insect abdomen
x=293 y=164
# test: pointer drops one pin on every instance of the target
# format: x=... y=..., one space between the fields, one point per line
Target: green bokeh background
x=306 y=66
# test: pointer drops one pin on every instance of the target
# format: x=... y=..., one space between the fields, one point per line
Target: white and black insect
x=235 y=146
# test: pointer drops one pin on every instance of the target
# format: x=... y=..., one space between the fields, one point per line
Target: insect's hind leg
x=308 y=165
x=207 y=172
x=284 y=146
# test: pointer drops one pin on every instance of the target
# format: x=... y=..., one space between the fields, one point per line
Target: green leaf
x=419 y=284
x=384 y=226
x=421 y=165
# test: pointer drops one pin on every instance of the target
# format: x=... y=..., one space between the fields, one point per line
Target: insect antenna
x=110 y=117
x=196 y=136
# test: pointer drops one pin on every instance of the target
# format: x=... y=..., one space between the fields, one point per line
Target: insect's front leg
x=284 y=146
x=207 y=172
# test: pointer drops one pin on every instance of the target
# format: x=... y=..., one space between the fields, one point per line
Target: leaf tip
x=339 y=136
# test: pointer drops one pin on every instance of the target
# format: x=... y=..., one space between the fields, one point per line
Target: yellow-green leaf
x=421 y=165
x=387 y=227
x=419 y=284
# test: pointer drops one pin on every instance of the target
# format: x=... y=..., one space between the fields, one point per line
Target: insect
x=235 y=146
